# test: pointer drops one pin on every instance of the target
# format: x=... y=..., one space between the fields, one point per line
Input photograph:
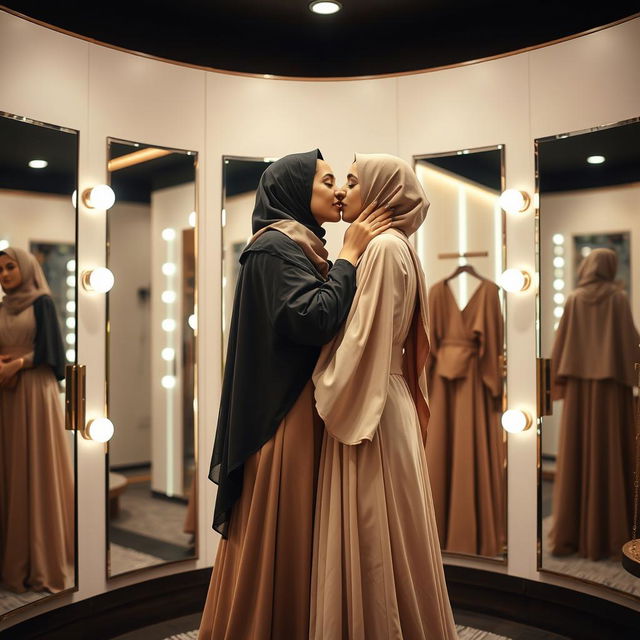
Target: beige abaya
x=36 y=501
x=593 y=358
x=377 y=568
x=466 y=451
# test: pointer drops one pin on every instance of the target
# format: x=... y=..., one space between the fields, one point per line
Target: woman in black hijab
x=289 y=301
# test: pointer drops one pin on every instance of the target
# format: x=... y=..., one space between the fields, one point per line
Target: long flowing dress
x=593 y=358
x=466 y=451
x=377 y=567
x=36 y=492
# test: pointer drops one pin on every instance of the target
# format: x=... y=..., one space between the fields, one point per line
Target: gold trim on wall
x=268 y=76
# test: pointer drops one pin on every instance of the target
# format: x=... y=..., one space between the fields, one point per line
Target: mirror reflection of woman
x=288 y=303
x=377 y=567
x=36 y=488
x=593 y=359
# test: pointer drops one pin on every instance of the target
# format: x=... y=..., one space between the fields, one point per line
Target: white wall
x=130 y=334
x=101 y=92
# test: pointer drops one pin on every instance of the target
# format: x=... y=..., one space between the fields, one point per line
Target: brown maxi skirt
x=593 y=488
x=261 y=579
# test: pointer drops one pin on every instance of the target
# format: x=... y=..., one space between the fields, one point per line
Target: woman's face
x=350 y=195
x=10 y=276
x=325 y=207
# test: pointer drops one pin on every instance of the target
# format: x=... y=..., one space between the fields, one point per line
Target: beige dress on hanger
x=36 y=492
x=466 y=450
x=377 y=568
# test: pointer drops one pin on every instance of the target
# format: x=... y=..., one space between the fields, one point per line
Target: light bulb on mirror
x=192 y=321
x=514 y=280
x=514 y=201
x=98 y=280
x=192 y=219
x=168 y=382
x=4 y=244
x=169 y=268
x=168 y=297
x=99 y=430
x=168 y=234
x=516 y=421
x=99 y=197
x=168 y=354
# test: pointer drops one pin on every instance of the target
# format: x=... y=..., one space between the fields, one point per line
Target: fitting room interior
x=131 y=147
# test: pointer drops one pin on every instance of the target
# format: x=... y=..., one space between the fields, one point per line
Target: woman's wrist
x=350 y=255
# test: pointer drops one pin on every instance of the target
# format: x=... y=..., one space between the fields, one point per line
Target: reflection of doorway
x=188 y=355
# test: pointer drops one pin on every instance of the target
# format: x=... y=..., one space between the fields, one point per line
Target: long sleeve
x=301 y=309
x=352 y=374
x=49 y=349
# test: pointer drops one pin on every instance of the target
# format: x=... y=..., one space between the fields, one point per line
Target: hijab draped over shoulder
x=33 y=286
x=351 y=412
x=286 y=305
x=596 y=337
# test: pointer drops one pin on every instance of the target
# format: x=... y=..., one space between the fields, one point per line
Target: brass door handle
x=543 y=378
x=75 y=397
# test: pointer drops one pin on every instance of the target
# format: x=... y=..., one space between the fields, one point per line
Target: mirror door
x=588 y=254
x=462 y=248
x=151 y=356
x=38 y=318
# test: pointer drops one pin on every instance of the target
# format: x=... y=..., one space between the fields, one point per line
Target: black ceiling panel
x=282 y=37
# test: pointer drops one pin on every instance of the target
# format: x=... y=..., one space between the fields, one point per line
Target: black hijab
x=284 y=310
x=284 y=192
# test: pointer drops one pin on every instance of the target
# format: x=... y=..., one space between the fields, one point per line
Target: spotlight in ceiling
x=595 y=159
x=325 y=8
x=38 y=164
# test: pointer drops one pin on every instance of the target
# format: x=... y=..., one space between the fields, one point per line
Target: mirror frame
x=503 y=303
x=48 y=598
x=538 y=338
x=196 y=421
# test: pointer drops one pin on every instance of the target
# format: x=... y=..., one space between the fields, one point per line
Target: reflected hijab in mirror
x=380 y=174
x=596 y=275
x=33 y=285
x=283 y=202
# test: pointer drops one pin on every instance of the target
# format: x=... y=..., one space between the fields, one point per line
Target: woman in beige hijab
x=593 y=359
x=36 y=483
x=377 y=569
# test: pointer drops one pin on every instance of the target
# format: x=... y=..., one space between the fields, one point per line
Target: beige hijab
x=33 y=286
x=596 y=338
x=379 y=175
x=338 y=397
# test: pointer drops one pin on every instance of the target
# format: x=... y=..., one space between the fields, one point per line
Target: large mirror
x=588 y=254
x=38 y=222
x=151 y=365
x=462 y=249
x=240 y=178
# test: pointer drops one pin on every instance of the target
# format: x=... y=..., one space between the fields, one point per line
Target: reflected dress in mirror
x=36 y=492
x=466 y=452
x=593 y=372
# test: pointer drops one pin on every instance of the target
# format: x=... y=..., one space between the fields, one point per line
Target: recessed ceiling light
x=325 y=8
x=38 y=164
x=595 y=159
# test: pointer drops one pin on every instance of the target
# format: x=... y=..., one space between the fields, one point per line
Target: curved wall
x=54 y=78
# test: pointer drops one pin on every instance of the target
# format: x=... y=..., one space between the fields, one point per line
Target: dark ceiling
x=482 y=167
x=282 y=37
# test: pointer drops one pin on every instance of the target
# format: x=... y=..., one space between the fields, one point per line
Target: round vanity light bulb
x=558 y=238
x=71 y=355
x=558 y=298
x=558 y=262
x=168 y=297
x=169 y=268
x=558 y=311
x=99 y=280
x=596 y=159
x=71 y=322
x=74 y=198
x=168 y=382
x=515 y=421
x=71 y=281
x=100 y=430
x=38 y=164
x=514 y=280
x=168 y=234
x=168 y=325
x=514 y=201
x=325 y=8
x=192 y=219
x=168 y=354
x=99 y=197
x=193 y=322
x=558 y=284
x=4 y=244
x=71 y=266
x=71 y=306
